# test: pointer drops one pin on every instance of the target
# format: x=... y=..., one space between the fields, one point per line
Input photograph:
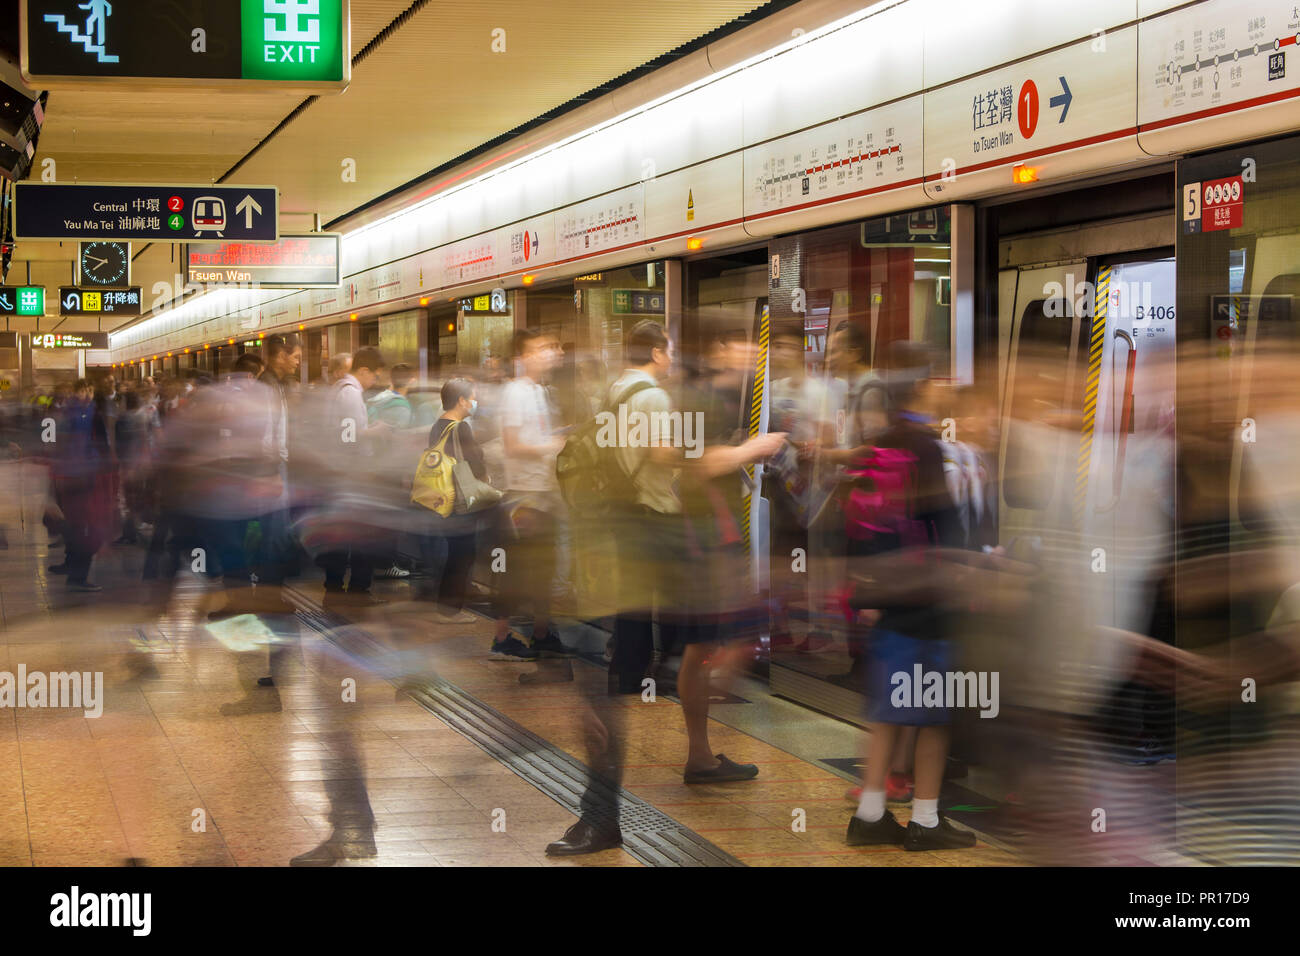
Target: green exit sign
x=301 y=45
x=292 y=39
x=22 y=300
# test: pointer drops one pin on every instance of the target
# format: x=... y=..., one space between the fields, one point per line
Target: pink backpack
x=879 y=506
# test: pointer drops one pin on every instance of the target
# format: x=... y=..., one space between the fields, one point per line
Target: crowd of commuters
x=883 y=529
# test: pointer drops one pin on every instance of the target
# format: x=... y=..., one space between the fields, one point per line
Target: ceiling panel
x=432 y=90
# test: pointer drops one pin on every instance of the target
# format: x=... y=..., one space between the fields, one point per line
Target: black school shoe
x=886 y=830
x=943 y=837
x=727 y=771
x=583 y=838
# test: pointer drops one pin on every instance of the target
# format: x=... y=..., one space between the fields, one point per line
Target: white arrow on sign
x=248 y=205
x=72 y=302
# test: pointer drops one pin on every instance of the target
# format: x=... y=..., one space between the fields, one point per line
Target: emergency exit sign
x=288 y=44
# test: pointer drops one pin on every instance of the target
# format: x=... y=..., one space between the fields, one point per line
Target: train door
x=1124 y=489
x=1087 y=398
x=1038 y=338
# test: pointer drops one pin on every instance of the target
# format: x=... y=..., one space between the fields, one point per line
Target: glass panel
x=847 y=304
x=1239 y=492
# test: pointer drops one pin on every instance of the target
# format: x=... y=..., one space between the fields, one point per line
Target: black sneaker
x=550 y=645
x=884 y=831
x=512 y=649
x=943 y=837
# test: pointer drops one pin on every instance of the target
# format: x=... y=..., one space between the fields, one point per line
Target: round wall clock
x=105 y=263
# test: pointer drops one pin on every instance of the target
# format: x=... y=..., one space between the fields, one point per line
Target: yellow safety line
x=756 y=407
x=1097 y=345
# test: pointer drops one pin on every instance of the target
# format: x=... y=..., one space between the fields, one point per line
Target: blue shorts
x=890 y=698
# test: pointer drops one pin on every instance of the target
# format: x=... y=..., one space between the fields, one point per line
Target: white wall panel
x=871 y=61
x=505 y=196
x=712 y=189
x=467 y=211
x=538 y=177
x=607 y=159
x=964 y=37
x=1148 y=8
x=693 y=127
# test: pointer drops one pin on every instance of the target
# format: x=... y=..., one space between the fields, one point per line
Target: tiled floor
x=165 y=776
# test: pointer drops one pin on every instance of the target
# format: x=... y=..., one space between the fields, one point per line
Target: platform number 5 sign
x=1192 y=207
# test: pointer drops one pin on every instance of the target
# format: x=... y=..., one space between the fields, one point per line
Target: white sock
x=925 y=813
x=871 y=807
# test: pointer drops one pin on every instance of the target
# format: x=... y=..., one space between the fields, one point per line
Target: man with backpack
x=638 y=479
x=644 y=514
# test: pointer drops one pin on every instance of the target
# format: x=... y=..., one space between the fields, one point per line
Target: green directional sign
x=287 y=44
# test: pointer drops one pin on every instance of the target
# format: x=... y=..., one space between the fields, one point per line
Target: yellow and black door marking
x=1096 y=346
x=757 y=395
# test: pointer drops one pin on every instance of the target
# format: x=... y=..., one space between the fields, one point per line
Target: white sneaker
x=460 y=617
x=393 y=572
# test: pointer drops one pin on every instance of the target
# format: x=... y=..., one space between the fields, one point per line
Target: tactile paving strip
x=649 y=835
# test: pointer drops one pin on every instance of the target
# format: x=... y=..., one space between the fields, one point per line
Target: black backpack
x=591 y=479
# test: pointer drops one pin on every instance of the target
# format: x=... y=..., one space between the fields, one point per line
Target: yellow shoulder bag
x=434 y=486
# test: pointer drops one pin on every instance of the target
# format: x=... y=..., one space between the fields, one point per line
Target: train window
x=1274 y=325
x=1038 y=395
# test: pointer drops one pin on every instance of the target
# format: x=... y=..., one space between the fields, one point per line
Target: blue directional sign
x=1064 y=98
x=149 y=213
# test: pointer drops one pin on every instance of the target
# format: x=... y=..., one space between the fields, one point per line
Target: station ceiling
x=431 y=89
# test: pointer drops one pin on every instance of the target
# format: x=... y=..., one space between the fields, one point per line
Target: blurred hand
x=831 y=456
x=764 y=446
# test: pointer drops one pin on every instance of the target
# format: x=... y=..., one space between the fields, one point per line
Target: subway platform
x=377 y=713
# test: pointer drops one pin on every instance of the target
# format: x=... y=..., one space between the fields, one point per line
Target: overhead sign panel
x=58 y=340
x=69 y=340
x=288 y=44
x=158 y=213
x=1202 y=60
x=310 y=261
x=1068 y=110
x=74 y=301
